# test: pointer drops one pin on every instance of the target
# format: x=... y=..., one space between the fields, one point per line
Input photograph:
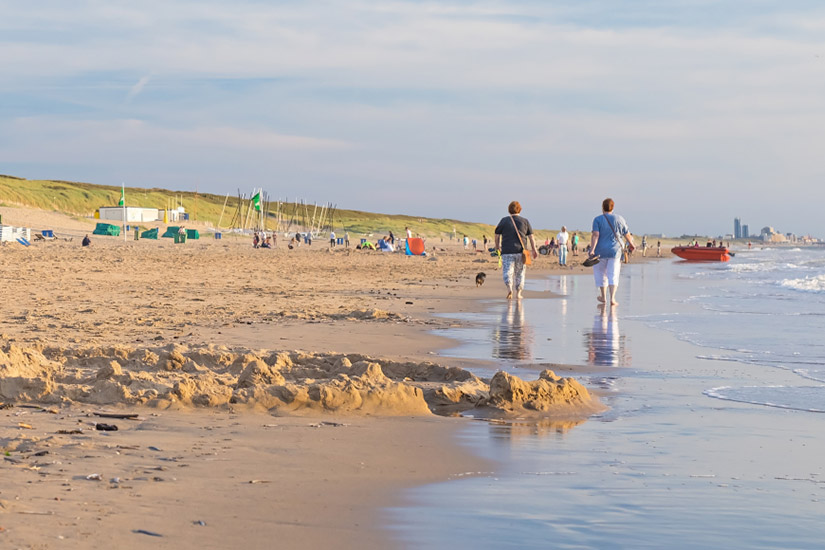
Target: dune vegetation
x=82 y=199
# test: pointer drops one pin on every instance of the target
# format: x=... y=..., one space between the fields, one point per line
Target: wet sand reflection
x=512 y=337
x=606 y=346
x=515 y=429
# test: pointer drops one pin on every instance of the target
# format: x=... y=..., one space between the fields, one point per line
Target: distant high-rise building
x=737 y=228
x=745 y=233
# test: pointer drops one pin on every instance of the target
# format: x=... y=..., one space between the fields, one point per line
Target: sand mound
x=510 y=394
x=286 y=382
x=25 y=374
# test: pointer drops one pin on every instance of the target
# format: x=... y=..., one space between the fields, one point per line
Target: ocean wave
x=653 y=317
x=806 y=284
x=799 y=398
x=763 y=267
x=694 y=298
x=817 y=374
x=815 y=263
x=748 y=268
x=729 y=311
x=721 y=358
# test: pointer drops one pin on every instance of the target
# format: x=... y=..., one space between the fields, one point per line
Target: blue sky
x=686 y=113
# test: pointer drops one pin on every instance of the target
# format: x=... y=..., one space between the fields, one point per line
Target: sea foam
x=807 y=284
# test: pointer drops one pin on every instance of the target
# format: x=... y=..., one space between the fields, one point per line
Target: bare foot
x=600 y=298
x=614 y=303
x=509 y=295
x=518 y=295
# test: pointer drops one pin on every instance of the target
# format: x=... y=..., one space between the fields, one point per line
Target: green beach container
x=150 y=234
x=106 y=229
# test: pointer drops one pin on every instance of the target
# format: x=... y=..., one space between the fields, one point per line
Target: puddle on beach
x=666 y=466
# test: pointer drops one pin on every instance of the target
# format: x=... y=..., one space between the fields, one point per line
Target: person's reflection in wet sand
x=605 y=345
x=512 y=338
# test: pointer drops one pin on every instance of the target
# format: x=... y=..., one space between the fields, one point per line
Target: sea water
x=767 y=308
x=713 y=374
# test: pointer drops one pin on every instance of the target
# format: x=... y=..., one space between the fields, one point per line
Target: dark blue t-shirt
x=509 y=239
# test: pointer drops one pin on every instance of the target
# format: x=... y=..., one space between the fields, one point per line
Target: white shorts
x=606 y=272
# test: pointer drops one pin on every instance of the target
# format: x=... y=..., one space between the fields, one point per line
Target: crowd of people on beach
x=264 y=239
x=611 y=244
x=388 y=243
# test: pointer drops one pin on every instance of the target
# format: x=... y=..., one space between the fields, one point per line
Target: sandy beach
x=191 y=358
x=284 y=393
x=213 y=479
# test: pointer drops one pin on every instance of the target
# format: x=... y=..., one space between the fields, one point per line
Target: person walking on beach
x=510 y=234
x=561 y=240
x=332 y=239
x=575 y=244
x=609 y=232
x=658 y=249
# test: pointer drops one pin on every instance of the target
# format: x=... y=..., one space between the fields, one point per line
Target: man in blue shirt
x=609 y=233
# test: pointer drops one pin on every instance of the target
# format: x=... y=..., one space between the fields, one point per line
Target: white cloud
x=389 y=93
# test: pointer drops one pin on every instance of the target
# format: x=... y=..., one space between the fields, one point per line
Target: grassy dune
x=82 y=199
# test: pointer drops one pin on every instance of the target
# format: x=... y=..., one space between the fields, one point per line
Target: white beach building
x=134 y=214
x=9 y=233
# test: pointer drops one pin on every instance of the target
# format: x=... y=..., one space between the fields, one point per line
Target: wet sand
x=665 y=465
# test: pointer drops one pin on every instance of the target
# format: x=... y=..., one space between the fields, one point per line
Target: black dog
x=480 y=279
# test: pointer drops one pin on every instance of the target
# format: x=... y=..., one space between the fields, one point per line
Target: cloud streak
x=138 y=88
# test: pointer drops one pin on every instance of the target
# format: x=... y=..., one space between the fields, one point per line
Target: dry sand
x=200 y=339
x=212 y=479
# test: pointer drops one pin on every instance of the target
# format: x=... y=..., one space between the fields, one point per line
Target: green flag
x=256 y=200
x=122 y=196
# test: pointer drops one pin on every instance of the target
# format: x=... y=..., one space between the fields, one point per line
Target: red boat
x=702 y=253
